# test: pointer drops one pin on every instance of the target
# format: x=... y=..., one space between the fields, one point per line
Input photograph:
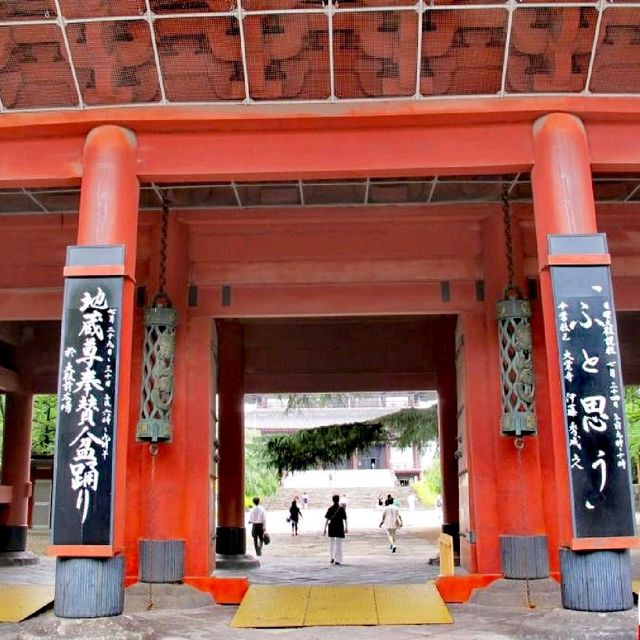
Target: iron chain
x=163 y=245
x=506 y=219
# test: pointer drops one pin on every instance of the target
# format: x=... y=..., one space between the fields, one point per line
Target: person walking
x=305 y=500
x=258 y=521
x=294 y=515
x=335 y=522
x=392 y=520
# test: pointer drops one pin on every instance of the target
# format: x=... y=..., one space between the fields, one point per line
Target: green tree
x=43 y=430
x=322 y=446
x=632 y=410
x=260 y=479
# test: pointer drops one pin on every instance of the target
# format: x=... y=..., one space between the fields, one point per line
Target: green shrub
x=430 y=487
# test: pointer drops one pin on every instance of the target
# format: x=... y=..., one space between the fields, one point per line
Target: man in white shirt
x=392 y=520
x=258 y=521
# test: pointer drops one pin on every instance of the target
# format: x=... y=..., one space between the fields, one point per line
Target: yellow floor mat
x=411 y=604
x=19 y=601
x=337 y=606
x=332 y=606
x=272 y=606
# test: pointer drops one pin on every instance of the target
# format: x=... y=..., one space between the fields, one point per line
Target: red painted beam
x=31 y=304
x=375 y=152
x=368 y=298
x=337 y=382
x=369 y=140
x=41 y=162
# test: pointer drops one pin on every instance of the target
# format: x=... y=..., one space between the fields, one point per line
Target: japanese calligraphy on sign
x=593 y=401
x=87 y=411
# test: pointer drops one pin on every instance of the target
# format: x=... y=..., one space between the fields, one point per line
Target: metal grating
x=354 y=192
x=74 y=54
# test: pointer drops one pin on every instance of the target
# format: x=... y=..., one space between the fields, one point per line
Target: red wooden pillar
x=108 y=215
x=521 y=533
x=448 y=427
x=231 y=539
x=16 y=459
x=89 y=579
x=477 y=465
x=162 y=545
x=564 y=204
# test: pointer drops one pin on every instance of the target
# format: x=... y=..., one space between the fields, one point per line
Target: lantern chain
x=506 y=219
x=163 y=245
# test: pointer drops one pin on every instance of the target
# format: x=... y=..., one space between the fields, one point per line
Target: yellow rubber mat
x=341 y=606
x=411 y=604
x=355 y=605
x=272 y=606
x=19 y=601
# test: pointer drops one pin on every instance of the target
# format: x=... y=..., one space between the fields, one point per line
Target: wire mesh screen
x=32 y=10
x=206 y=196
x=114 y=62
x=200 y=58
x=417 y=191
x=287 y=56
x=74 y=9
x=120 y=52
x=375 y=54
x=462 y=52
x=616 y=66
x=177 y=7
x=550 y=49
x=34 y=68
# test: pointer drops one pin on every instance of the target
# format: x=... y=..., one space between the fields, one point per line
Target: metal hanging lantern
x=160 y=322
x=516 y=358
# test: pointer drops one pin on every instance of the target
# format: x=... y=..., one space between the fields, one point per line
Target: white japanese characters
x=592 y=396
x=87 y=393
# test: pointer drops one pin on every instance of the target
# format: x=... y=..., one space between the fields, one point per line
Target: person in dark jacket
x=335 y=522
x=294 y=515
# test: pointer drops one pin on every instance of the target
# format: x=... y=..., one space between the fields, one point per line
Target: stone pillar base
x=524 y=557
x=18 y=558
x=236 y=561
x=231 y=541
x=13 y=537
x=596 y=580
x=161 y=560
x=89 y=587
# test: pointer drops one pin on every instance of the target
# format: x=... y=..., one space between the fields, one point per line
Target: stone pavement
x=499 y=612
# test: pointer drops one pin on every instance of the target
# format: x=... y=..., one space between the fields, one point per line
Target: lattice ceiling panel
x=76 y=54
x=356 y=192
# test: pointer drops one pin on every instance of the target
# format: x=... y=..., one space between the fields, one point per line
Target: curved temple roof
x=78 y=54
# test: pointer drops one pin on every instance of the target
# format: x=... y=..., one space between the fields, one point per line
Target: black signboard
x=593 y=402
x=87 y=411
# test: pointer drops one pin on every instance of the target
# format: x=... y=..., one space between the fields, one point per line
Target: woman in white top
x=391 y=518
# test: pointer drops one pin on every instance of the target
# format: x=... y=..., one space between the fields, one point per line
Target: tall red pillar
x=564 y=205
x=448 y=427
x=89 y=578
x=16 y=457
x=230 y=532
x=521 y=533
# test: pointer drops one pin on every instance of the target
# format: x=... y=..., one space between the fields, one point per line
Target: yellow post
x=445 y=543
